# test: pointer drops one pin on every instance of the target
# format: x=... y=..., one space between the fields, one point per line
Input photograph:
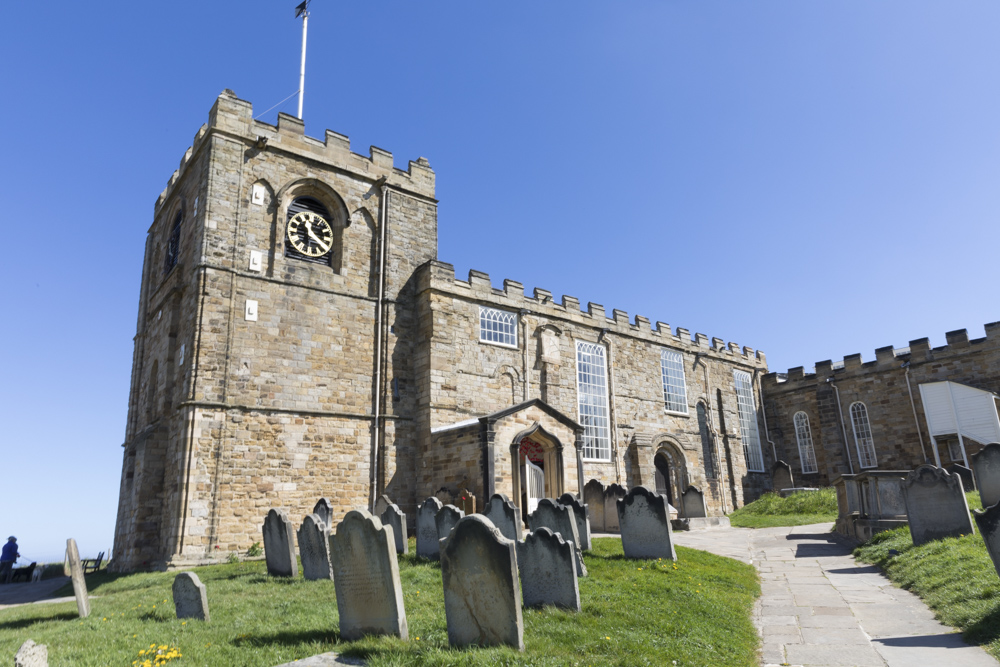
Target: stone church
x=299 y=338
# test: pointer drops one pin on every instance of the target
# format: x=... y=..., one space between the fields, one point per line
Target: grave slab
x=279 y=545
x=190 y=597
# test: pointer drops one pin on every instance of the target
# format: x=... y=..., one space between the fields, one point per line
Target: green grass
x=634 y=613
x=954 y=576
x=798 y=509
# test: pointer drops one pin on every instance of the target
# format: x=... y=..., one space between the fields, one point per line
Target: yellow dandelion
x=184 y=623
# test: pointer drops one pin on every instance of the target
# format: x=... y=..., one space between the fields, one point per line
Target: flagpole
x=302 y=69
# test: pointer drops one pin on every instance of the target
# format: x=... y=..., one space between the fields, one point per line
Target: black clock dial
x=310 y=234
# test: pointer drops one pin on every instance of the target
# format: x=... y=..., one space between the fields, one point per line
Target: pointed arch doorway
x=537 y=458
x=669 y=473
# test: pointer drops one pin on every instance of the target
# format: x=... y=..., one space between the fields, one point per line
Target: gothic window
x=747 y=409
x=863 y=435
x=804 y=437
x=309 y=232
x=592 y=398
x=707 y=450
x=674 y=389
x=173 y=243
x=497 y=326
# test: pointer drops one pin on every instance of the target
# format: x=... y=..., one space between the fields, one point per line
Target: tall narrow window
x=674 y=389
x=707 y=450
x=747 y=408
x=863 y=435
x=173 y=243
x=592 y=397
x=497 y=326
x=804 y=437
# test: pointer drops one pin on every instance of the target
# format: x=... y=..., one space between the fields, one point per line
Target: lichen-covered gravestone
x=381 y=503
x=986 y=466
x=968 y=483
x=396 y=519
x=781 y=476
x=611 y=496
x=369 y=595
x=505 y=516
x=324 y=510
x=482 y=595
x=693 y=504
x=32 y=655
x=446 y=519
x=935 y=505
x=427 y=532
x=644 y=517
x=190 y=597
x=314 y=548
x=593 y=496
x=547 y=564
x=279 y=545
x=559 y=519
x=582 y=514
x=79 y=583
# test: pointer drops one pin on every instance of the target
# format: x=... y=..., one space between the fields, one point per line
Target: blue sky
x=809 y=179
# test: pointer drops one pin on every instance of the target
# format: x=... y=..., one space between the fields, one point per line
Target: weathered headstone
x=693 y=504
x=505 y=516
x=190 y=598
x=396 y=519
x=314 y=548
x=381 y=503
x=427 y=532
x=559 y=519
x=32 y=655
x=645 y=525
x=466 y=502
x=369 y=595
x=611 y=496
x=444 y=495
x=781 y=476
x=593 y=496
x=582 y=514
x=968 y=483
x=279 y=545
x=445 y=520
x=482 y=595
x=935 y=505
x=988 y=521
x=79 y=583
x=547 y=564
x=324 y=510
x=986 y=465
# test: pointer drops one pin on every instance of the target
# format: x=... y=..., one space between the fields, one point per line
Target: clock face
x=310 y=234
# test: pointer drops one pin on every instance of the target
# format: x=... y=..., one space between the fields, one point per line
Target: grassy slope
x=634 y=613
x=955 y=577
x=798 y=509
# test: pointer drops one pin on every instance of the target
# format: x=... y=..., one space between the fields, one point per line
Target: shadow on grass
x=986 y=629
x=289 y=638
x=94 y=581
x=28 y=622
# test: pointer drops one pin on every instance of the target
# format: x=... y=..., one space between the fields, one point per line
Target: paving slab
x=819 y=607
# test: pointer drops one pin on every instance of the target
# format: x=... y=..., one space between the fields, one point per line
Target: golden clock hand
x=309 y=230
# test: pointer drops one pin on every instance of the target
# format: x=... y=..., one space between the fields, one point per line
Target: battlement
x=233 y=116
x=917 y=351
x=440 y=276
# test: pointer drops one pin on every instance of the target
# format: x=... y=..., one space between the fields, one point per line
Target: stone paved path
x=819 y=607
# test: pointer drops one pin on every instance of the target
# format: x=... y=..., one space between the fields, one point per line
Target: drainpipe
x=913 y=406
x=379 y=342
x=612 y=426
x=840 y=411
x=763 y=413
x=713 y=433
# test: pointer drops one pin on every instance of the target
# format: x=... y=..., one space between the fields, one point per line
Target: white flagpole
x=302 y=69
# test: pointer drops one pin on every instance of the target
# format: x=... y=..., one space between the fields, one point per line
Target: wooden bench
x=19 y=573
x=92 y=564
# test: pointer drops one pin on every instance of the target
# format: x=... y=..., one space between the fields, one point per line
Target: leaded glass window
x=747 y=408
x=497 y=326
x=863 y=435
x=803 y=434
x=592 y=397
x=674 y=389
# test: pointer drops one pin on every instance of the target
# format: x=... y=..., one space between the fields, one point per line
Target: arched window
x=173 y=243
x=309 y=231
x=863 y=435
x=151 y=407
x=807 y=454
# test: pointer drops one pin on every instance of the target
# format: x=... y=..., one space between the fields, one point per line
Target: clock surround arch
x=338 y=216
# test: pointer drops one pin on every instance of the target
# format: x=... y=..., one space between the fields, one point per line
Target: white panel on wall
x=251 y=311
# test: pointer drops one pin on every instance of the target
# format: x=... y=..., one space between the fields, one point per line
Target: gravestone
x=559 y=519
x=369 y=595
x=445 y=520
x=396 y=519
x=324 y=510
x=314 y=548
x=32 y=655
x=547 y=564
x=693 y=504
x=444 y=495
x=988 y=521
x=593 y=497
x=935 y=505
x=79 y=583
x=611 y=496
x=582 y=514
x=190 y=598
x=505 y=516
x=986 y=465
x=466 y=502
x=381 y=504
x=781 y=476
x=279 y=545
x=427 y=532
x=645 y=525
x=482 y=594
x=968 y=483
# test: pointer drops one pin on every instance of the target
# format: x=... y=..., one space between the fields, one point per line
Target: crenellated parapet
x=233 y=117
x=440 y=277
